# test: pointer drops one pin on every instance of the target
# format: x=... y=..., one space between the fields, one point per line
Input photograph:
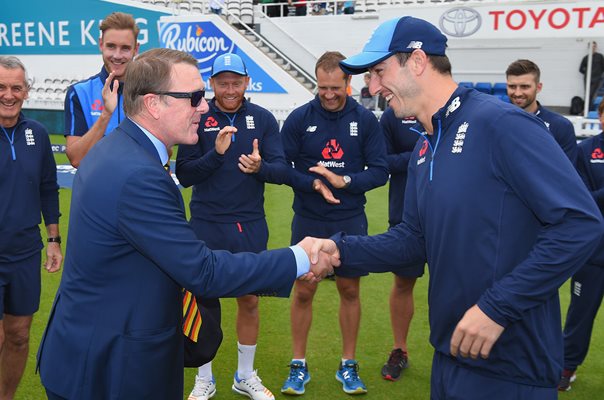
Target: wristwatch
x=347 y=180
x=56 y=239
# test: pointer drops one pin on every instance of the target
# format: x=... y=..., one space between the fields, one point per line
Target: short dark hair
x=523 y=67
x=440 y=63
x=330 y=61
x=151 y=72
x=120 y=21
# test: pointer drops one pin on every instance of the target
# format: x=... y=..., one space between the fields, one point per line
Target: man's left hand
x=54 y=257
x=475 y=334
x=250 y=164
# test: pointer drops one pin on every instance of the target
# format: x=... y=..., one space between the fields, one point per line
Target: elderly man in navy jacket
x=496 y=209
x=28 y=187
x=131 y=250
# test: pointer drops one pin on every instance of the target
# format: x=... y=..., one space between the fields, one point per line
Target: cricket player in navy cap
x=495 y=208
x=228 y=169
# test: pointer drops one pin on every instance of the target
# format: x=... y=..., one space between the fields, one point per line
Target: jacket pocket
x=152 y=364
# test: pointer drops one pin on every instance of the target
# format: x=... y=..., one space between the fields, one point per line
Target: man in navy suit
x=131 y=251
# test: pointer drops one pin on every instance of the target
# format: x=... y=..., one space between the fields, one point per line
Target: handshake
x=323 y=255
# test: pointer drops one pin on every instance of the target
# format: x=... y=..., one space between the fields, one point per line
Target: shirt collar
x=162 y=152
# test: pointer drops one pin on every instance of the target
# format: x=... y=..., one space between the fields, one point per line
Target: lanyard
x=11 y=140
x=231 y=122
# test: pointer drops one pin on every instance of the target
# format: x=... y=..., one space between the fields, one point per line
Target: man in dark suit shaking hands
x=116 y=321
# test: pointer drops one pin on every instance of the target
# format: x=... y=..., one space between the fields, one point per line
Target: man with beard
x=227 y=204
x=494 y=207
x=523 y=84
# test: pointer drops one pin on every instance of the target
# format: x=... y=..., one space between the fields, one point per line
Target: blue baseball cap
x=400 y=35
x=229 y=62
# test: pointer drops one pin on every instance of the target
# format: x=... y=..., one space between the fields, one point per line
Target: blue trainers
x=297 y=379
x=348 y=375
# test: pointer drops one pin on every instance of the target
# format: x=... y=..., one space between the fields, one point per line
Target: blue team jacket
x=345 y=142
x=28 y=186
x=561 y=129
x=84 y=104
x=221 y=192
x=590 y=164
x=503 y=219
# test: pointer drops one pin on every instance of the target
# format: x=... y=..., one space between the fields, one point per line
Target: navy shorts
x=416 y=271
x=302 y=227
x=20 y=286
x=451 y=380
x=234 y=237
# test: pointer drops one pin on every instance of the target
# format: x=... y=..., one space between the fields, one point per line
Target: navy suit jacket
x=115 y=328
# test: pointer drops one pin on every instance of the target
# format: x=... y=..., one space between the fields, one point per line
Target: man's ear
x=419 y=61
x=152 y=104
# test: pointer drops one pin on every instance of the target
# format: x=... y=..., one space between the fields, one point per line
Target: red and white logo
x=422 y=151
x=211 y=122
x=597 y=154
x=97 y=105
x=332 y=150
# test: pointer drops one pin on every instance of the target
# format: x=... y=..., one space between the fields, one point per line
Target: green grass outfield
x=324 y=347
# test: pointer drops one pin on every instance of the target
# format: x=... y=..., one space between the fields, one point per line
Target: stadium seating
x=466 y=84
x=500 y=89
x=484 y=87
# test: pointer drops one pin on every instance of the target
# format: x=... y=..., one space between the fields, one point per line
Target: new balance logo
x=311 y=128
x=414 y=44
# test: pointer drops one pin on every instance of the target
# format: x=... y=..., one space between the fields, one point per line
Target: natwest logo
x=332 y=150
x=97 y=105
x=422 y=151
x=211 y=122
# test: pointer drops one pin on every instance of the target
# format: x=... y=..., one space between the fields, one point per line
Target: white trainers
x=252 y=387
x=203 y=390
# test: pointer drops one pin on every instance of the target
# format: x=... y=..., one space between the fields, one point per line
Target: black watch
x=56 y=239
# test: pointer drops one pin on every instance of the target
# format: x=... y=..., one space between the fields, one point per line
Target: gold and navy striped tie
x=191 y=317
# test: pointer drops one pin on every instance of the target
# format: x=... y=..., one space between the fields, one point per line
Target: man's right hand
x=224 y=138
x=110 y=95
x=322 y=263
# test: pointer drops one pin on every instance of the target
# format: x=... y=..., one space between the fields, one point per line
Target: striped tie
x=191 y=317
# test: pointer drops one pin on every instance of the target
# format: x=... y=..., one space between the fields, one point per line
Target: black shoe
x=396 y=363
x=567 y=378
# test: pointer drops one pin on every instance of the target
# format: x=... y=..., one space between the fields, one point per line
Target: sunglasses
x=196 y=96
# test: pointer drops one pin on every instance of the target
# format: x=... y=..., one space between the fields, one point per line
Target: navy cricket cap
x=229 y=62
x=399 y=35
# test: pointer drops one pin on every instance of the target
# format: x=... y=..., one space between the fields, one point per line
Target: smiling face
x=118 y=48
x=177 y=118
x=332 y=89
x=13 y=92
x=229 y=89
x=396 y=84
x=522 y=91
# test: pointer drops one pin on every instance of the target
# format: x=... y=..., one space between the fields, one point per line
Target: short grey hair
x=12 y=62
